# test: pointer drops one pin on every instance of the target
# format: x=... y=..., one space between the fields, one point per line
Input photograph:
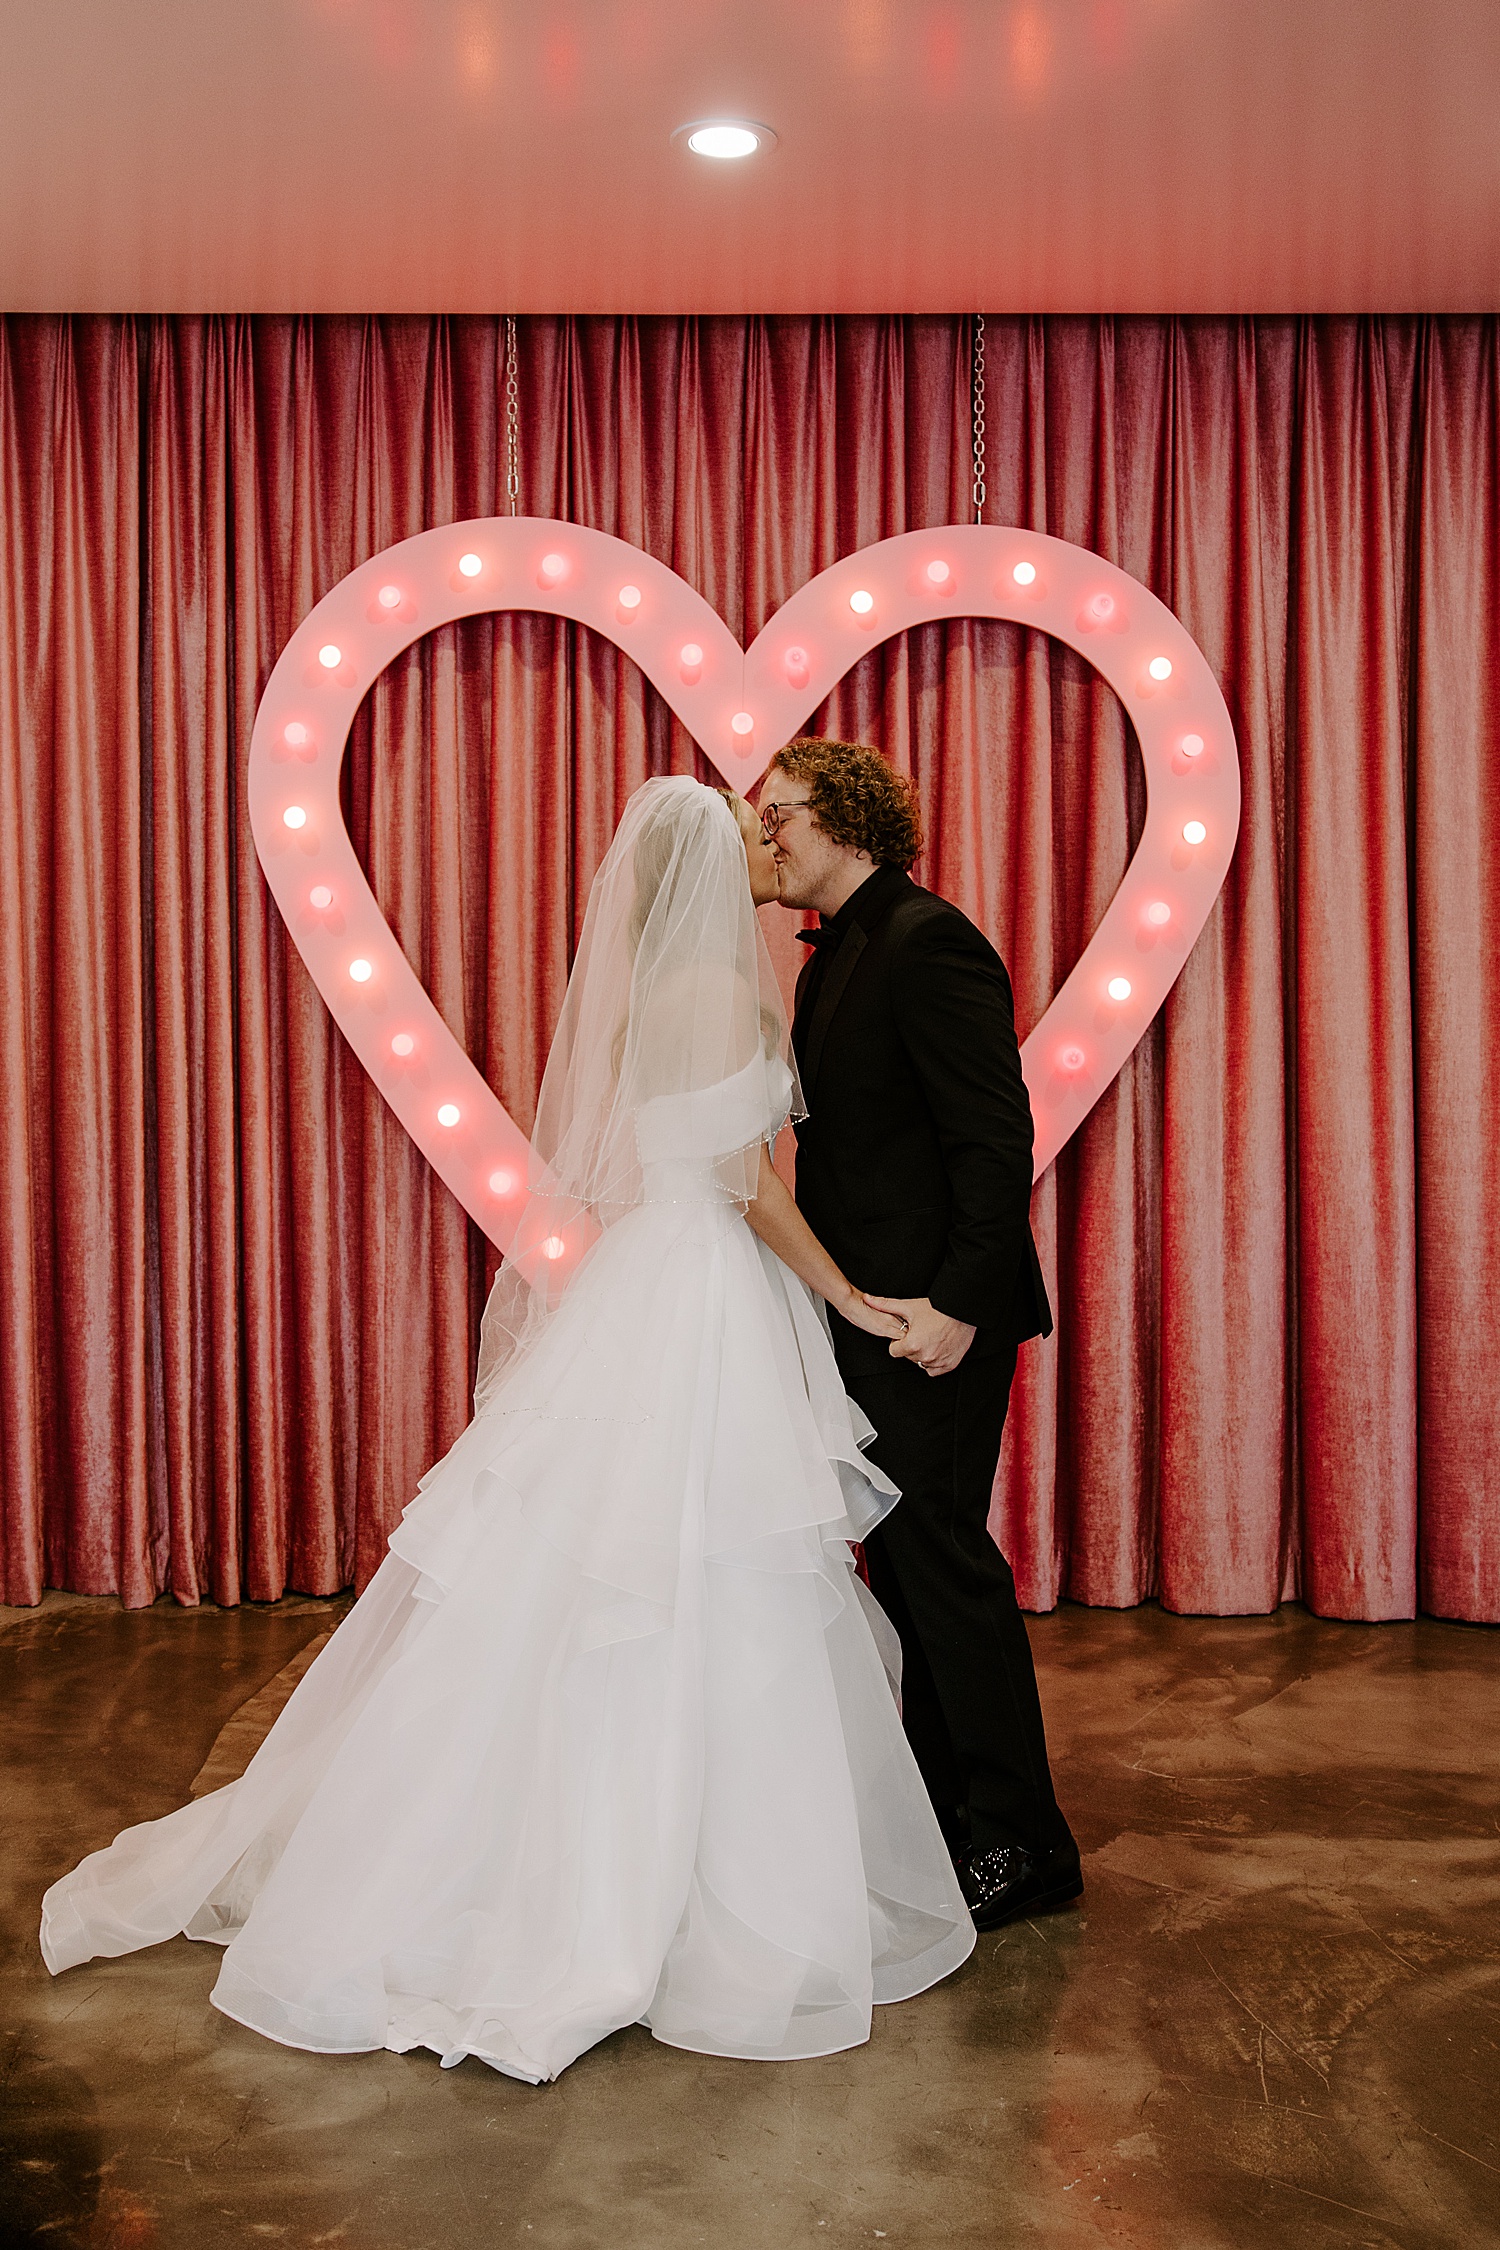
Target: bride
x=608 y=1739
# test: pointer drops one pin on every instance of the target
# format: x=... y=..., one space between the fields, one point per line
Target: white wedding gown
x=609 y=1738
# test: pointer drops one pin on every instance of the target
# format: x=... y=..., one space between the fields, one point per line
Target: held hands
x=933 y=1339
x=860 y=1312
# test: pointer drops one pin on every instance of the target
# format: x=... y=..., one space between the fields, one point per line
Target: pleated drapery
x=238 y=1312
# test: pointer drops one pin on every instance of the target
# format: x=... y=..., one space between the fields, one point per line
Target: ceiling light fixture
x=725 y=138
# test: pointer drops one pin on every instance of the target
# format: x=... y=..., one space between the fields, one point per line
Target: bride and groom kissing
x=610 y=1737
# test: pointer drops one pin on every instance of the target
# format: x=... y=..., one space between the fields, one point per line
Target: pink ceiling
x=1010 y=155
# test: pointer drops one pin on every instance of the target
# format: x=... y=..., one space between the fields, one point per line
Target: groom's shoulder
x=921 y=921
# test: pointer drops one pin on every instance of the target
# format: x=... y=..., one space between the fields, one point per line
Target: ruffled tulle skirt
x=608 y=1739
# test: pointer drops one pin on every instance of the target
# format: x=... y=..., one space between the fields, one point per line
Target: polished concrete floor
x=1274 y=2024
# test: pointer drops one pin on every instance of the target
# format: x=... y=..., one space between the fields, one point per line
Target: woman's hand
x=891 y=1327
x=935 y=1340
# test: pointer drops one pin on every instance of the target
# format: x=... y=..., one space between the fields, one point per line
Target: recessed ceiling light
x=725 y=138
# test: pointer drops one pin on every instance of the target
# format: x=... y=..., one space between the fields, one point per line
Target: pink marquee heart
x=740 y=706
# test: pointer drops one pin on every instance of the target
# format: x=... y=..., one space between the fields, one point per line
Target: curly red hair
x=856 y=797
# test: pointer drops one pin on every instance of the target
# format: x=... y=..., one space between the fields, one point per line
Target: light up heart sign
x=740 y=706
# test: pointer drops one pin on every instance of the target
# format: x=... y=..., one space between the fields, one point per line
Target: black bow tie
x=818 y=939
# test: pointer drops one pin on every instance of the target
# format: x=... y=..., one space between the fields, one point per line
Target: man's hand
x=934 y=1340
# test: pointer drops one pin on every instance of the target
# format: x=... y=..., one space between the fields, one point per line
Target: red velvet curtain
x=238 y=1313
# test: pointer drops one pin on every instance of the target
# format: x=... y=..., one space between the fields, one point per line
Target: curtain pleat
x=1229 y=1496
x=84 y=1509
x=1354 y=1180
x=1455 y=909
x=238 y=1311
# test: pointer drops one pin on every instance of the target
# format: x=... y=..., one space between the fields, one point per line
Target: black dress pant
x=969 y=1696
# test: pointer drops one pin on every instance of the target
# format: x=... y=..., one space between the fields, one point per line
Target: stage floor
x=1272 y=2022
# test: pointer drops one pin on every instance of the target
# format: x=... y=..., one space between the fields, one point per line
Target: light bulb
x=939 y=573
x=361 y=971
x=296 y=735
x=1192 y=745
x=1071 y=1058
x=742 y=723
x=554 y=1246
x=503 y=1183
x=797 y=665
x=321 y=897
x=330 y=657
x=691 y=656
x=1158 y=914
x=554 y=567
x=862 y=603
x=1024 y=573
x=1193 y=832
x=389 y=597
x=295 y=817
x=1160 y=667
x=630 y=597
x=448 y=1114
x=403 y=1044
x=726 y=142
x=1102 y=605
x=470 y=565
x=1119 y=988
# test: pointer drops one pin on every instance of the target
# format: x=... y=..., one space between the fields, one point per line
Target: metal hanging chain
x=978 y=397
x=512 y=418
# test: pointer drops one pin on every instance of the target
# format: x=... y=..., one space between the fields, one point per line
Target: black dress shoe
x=1008 y=1883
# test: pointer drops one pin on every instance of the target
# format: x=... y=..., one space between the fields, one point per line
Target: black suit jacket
x=914 y=1161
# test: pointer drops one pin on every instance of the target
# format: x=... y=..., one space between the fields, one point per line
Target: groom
x=914 y=1166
